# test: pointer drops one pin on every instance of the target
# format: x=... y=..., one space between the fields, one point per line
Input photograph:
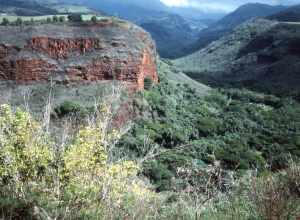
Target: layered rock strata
x=77 y=53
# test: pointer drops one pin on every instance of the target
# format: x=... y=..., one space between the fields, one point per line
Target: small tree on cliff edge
x=148 y=83
x=5 y=22
x=75 y=17
x=62 y=19
x=55 y=18
x=19 y=22
x=94 y=19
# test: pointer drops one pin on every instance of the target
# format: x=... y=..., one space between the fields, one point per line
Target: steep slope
x=230 y=21
x=221 y=53
x=260 y=54
x=75 y=53
x=170 y=33
x=291 y=14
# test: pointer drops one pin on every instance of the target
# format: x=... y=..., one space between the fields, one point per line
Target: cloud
x=223 y=5
x=176 y=3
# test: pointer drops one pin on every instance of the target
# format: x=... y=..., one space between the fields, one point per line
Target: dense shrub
x=69 y=107
x=55 y=18
x=48 y=20
x=62 y=18
x=148 y=83
x=75 y=17
x=94 y=19
x=5 y=22
x=19 y=22
x=277 y=196
x=241 y=129
x=35 y=176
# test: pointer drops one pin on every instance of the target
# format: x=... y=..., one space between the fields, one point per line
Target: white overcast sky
x=223 y=5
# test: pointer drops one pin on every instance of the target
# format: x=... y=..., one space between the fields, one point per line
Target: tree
x=62 y=19
x=19 y=21
x=75 y=17
x=148 y=83
x=49 y=20
x=55 y=18
x=5 y=22
x=94 y=19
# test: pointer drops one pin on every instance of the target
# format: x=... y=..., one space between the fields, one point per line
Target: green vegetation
x=62 y=18
x=12 y=20
x=19 y=21
x=5 y=21
x=222 y=154
x=240 y=129
x=94 y=19
x=39 y=181
x=148 y=83
x=84 y=177
x=55 y=18
x=75 y=17
x=68 y=107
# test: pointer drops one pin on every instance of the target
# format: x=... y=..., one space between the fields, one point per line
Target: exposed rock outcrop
x=76 y=53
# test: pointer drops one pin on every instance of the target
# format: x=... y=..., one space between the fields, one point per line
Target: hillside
x=39 y=8
x=260 y=54
x=291 y=14
x=171 y=32
x=229 y=22
x=23 y=8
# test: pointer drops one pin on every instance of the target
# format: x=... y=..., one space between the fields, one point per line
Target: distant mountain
x=28 y=7
x=230 y=21
x=171 y=31
x=194 y=13
x=259 y=54
x=133 y=10
x=291 y=14
x=40 y=7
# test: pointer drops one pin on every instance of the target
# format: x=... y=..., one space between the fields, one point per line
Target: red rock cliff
x=77 y=53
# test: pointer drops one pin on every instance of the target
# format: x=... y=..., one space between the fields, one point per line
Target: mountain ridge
x=230 y=21
x=291 y=14
x=259 y=54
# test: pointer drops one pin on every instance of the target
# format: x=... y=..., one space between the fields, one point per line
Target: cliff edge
x=70 y=53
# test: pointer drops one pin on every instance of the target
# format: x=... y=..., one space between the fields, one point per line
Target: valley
x=141 y=110
x=265 y=58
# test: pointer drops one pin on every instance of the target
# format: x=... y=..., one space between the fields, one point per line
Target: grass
x=35 y=96
x=175 y=76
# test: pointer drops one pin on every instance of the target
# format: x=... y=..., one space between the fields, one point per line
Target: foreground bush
x=277 y=197
x=42 y=181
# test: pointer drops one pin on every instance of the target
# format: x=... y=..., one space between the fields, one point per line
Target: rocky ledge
x=78 y=53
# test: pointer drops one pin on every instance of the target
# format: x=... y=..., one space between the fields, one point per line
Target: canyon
x=73 y=53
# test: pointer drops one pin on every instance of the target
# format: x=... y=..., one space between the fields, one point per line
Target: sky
x=223 y=5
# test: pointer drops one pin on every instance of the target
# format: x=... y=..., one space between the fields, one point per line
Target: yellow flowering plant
x=82 y=178
x=25 y=151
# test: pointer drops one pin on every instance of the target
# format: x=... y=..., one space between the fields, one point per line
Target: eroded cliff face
x=77 y=53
